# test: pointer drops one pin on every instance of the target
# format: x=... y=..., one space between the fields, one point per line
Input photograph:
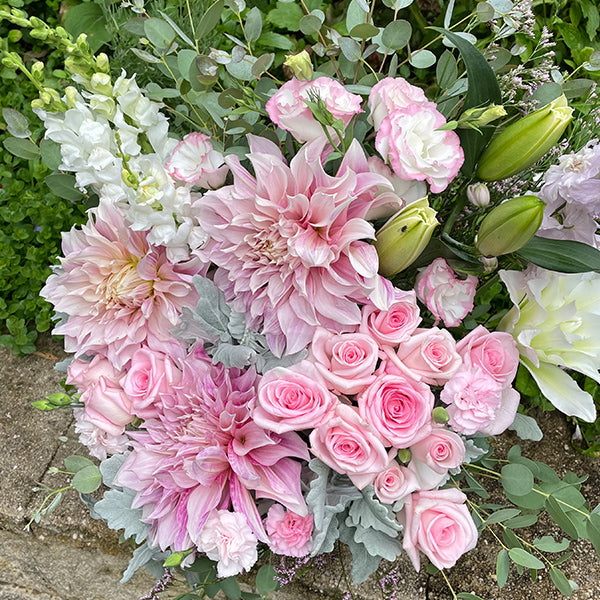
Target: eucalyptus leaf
x=397 y=34
x=253 y=25
x=525 y=559
x=262 y=64
x=266 y=581
x=22 y=148
x=350 y=49
x=210 y=19
x=63 y=185
x=422 y=59
x=364 y=31
x=310 y=24
x=50 y=152
x=560 y=581
x=517 y=479
x=548 y=544
x=502 y=568
x=184 y=37
x=146 y=56
x=561 y=518
x=87 y=479
x=355 y=15
x=185 y=58
x=76 y=463
x=16 y=123
x=159 y=32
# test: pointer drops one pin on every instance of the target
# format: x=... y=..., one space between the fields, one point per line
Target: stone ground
x=69 y=556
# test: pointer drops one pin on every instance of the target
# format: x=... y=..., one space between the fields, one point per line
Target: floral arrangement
x=299 y=325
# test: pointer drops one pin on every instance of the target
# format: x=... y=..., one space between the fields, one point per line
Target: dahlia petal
x=244 y=503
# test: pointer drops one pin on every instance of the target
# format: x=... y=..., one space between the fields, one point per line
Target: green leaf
x=446 y=71
x=185 y=58
x=253 y=26
x=502 y=568
x=502 y=515
x=310 y=24
x=517 y=479
x=476 y=486
x=397 y=34
x=88 y=18
x=231 y=588
x=63 y=185
x=350 y=49
x=287 y=15
x=271 y=39
x=525 y=559
x=422 y=59
x=146 y=56
x=483 y=90
x=176 y=558
x=521 y=521
x=485 y=12
x=468 y=596
x=87 y=480
x=526 y=428
x=50 y=152
x=548 y=544
x=210 y=19
x=364 y=31
x=159 y=32
x=265 y=580
x=560 y=517
x=593 y=531
x=177 y=29
x=560 y=581
x=262 y=64
x=16 y=123
x=564 y=256
x=76 y=463
x=22 y=148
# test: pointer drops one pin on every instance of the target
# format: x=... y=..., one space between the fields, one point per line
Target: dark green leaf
x=476 y=486
x=574 y=88
x=253 y=26
x=446 y=71
x=517 y=479
x=364 y=31
x=560 y=581
x=262 y=64
x=146 y=56
x=22 y=148
x=87 y=480
x=287 y=15
x=397 y=34
x=76 y=463
x=177 y=29
x=265 y=580
x=502 y=515
x=50 y=152
x=350 y=49
x=88 y=18
x=502 y=568
x=560 y=517
x=135 y=26
x=63 y=185
x=521 y=521
x=159 y=32
x=310 y=24
x=210 y=19
x=593 y=531
x=231 y=588
x=564 y=256
x=525 y=559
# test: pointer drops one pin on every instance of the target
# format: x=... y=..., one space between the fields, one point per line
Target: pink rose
x=346 y=361
x=438 y=524
x=350 y=446
x=429 y=355
x=394 y=483
x=107 y=407
x=293 y=399
x=289 y=533
x=494 y=352
x=399 y=409
x=397 y=324
x=390 y=94
x=410 y=140
x=84 y=373
x=288 y=110
x=433 y=456
x=151 y=374
x=194 y=161
x=477 y=402
x=446 y=296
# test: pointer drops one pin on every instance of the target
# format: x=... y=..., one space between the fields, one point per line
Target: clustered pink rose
x=438 y=524
x=346 y=361
x=287 y=107
x=292 y=399
x=289 y=533
x=394 y=483
x=445 y=295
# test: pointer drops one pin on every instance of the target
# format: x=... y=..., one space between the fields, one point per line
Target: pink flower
x=288 y=110
x=394 y=483
x=289 y=533
x=398 y=408
x=346 y=361
x=438 y=524
x=150 y=374
x=446 y=296
x=227 y=538
x=411 y=141
x=391 y=94
x=204 y=452
x=395 y=325
x=117 y=290
x=429 y=355
x=98 y=441
x=477 y=402
x=85 y=373
x=288 y=243
x=292 y=399
x=350 y=446
x=494 y=352
x=194 y=161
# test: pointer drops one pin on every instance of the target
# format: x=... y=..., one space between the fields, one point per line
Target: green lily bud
x=523 y=143
x=300 y=65
x=440 y=415
x=402 y=239
x=509 y=226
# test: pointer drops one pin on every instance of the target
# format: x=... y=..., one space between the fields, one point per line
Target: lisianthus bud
x=523 y=143
x=402 y=239
x=300 y=65
x=478 y=194
x=404 y=455
x=479 y=117
x=510 y=225
x=440 y=415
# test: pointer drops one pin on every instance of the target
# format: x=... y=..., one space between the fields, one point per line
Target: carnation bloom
x=289 y=533
x=204 y=452
x=288 y=243
x=554 y=321
x=116 y=290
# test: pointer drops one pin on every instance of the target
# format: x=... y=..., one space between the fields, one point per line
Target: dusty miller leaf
x=142 y=556
x=526 y=428
x=369 y=513
x=110 y=466
x=232 y=356
x=115 y=509
x=363 y=563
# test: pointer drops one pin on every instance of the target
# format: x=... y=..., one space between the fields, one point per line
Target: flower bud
x=404 y=455
x=440 y=415
x=101 y=84
x=523 y=143
x=490 y=263
x=14 y=35
x=402 y=239
x=300 y=65
x=509 y=226
x=70 y=96
x=479 y=117
x=478 y=195
x=102 y=63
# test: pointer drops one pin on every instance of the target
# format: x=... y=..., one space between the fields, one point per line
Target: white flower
x=556 y=323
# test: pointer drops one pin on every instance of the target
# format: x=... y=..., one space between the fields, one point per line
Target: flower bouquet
x=303 y=294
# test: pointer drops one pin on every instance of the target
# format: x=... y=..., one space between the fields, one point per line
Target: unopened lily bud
x=402 y=239
x=478 y=195
x=479 y=117
x=404 y=455
x=523 y=143
x=300 y=65
x=509 y=226
x=440 y=415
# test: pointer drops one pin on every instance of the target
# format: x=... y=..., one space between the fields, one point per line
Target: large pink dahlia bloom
x=289 y=242
x=204 y=452
x=116 y=290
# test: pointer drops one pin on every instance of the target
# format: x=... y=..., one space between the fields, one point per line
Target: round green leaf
x=16 y=123
x=350 y=49
x=422 y=59
x=525 y=559
x=364 y=31
x=517 y=479
x=502 y=568
x=185 y=58
x=262 y=64
x=76 y=463
x=310 y=24
x=63 y=185
x=485 y=12
x=265 y=580
x=87 y=480
x=397 y=34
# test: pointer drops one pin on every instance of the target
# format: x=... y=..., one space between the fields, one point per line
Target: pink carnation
x=98 y=441
x=289 y=243
x=194 y=161
x=287 y=107
x=116 y=290
x=411 y=141
x=446 y=296
x=289 y=533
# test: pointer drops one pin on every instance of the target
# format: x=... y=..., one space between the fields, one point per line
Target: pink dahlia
x=289 y=242
x=116 y=290
x=204 y=452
